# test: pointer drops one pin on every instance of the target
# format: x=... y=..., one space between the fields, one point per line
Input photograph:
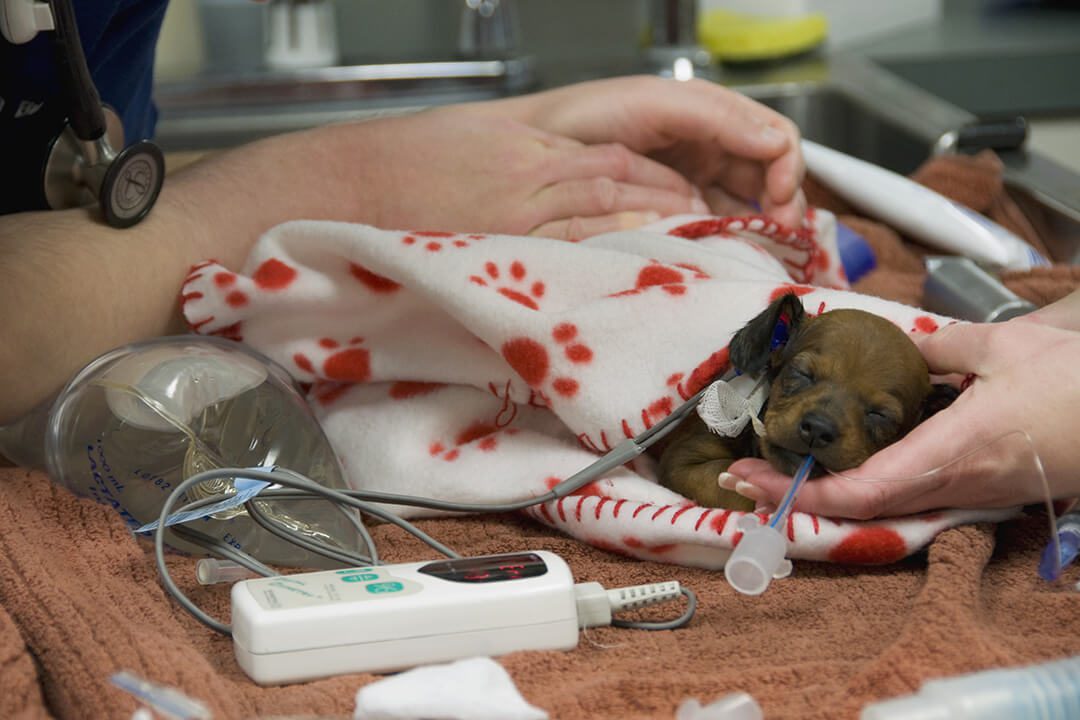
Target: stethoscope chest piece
x=132 y=183
x=125 y=185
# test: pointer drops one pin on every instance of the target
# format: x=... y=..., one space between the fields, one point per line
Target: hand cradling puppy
x=843 y=385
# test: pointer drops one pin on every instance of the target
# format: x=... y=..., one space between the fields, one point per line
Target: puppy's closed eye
x=883 y=423
x=796 y=377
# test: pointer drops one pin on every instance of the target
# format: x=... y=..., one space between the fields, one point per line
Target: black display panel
x=487 y=568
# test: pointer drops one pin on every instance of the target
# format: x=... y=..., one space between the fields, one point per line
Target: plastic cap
x=757 y=559
x=211 y=571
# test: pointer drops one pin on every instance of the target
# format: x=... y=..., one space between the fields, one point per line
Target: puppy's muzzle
x=817 y=430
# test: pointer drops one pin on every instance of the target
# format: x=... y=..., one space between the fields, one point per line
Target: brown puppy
x=843 y=385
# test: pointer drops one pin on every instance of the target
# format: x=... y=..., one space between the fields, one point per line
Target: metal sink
x=993 y=85
x=217 y=111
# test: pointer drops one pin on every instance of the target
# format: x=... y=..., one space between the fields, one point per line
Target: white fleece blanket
x=486 y=368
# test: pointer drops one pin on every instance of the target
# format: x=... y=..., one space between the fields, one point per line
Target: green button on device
x=385 y=587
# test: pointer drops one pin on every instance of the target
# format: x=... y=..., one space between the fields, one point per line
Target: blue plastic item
x=855 y=253
x=1068 y=547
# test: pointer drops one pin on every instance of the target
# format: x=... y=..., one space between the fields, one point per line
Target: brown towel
x=80 y=598
x=821 y=644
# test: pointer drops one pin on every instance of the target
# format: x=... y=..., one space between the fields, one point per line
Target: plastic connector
x=211 y=571
x=595 y=604
x=638 y=596
x=758 y=558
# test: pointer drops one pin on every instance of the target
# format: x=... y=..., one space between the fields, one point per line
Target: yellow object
x=735 y=37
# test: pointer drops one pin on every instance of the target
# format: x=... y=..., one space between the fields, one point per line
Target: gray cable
x=688 y=614
x=275 y=527
x=353 y=518
x=304 y=488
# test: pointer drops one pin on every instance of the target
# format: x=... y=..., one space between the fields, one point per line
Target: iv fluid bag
x=140 y=419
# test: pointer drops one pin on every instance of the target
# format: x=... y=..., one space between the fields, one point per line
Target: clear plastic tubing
x=1039 y=692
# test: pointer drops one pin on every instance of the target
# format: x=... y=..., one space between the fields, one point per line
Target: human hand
x=454 y=168
x=1025 y=379
x=734 y=148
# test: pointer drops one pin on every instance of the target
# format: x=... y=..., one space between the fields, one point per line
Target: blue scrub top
x=118 y=38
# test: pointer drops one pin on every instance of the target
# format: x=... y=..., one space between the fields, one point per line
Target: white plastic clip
x=21 y=20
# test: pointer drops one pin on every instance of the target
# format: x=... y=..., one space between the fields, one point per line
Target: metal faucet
x=673 y=50
x=489 y=30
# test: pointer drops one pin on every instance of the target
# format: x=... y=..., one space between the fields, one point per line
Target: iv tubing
x=789 y=497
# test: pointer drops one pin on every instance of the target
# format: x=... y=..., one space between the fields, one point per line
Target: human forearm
x=73 y=288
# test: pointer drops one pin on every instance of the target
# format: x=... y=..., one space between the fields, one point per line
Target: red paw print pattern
x=872 y=545
x=513 y=284
x=797 y=290
x=234 y=293
x=273 y=275
x=435 y=241
x=480 y=436
x=343 y=364
x=670 y=278
x=532 y=361
x=372 y=281
x=925 y=324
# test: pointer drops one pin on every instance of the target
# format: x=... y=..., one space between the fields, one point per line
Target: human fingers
x=957 y=348
x=736 y=122
x=954 y=459
x=827 y=495
x=739 y=176
x=748 y=179
x=618 y=163
x=789 y=214
x=579 y=228
x=784 y=175
x=775 y=182
x=597 y=196
x=721 y=202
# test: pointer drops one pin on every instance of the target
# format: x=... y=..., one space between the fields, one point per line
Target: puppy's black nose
x=816 y=430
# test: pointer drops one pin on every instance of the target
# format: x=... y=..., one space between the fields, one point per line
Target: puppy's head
x=844 y=384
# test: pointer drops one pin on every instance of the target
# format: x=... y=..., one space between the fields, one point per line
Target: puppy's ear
x=752 y=346
x=940 y=397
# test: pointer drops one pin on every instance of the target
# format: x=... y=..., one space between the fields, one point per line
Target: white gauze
x=726 y=407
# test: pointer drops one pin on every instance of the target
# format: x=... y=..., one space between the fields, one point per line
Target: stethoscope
x=83 y=167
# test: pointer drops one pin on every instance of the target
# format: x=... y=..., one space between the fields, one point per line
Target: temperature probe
x=384 y=618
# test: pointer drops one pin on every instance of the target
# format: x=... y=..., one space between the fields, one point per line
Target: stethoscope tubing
x=87 y=119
